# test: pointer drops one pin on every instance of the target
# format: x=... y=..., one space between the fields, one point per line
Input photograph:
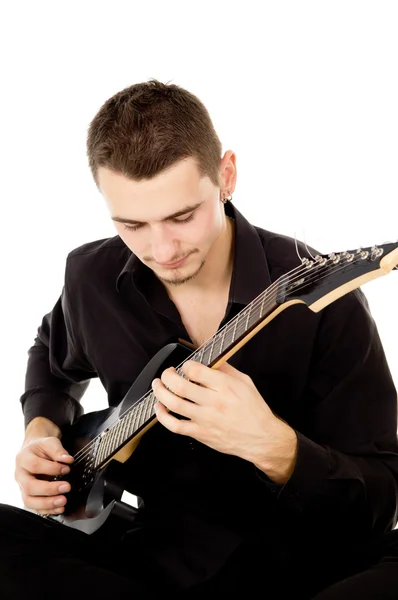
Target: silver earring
x=229 y=199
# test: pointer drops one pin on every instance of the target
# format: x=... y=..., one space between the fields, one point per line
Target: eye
x=186 y=220
x=131 y=227
x=136 y=227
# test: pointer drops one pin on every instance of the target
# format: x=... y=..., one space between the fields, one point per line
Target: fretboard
x=212 y=350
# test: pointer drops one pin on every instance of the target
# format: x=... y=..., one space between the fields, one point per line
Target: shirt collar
x=250 y=274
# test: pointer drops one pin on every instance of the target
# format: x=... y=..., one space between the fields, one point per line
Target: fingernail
x=63 y=488
x=66 y=456
x=65 y=470
x=59 y=502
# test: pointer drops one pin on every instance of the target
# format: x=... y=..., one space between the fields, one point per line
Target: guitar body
x=91 y=503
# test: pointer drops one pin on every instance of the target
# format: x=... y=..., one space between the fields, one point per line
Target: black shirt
x=324 y=373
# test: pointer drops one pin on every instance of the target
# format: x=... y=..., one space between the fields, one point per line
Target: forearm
x=41 y=427
x=279 y=459
x=358 y=493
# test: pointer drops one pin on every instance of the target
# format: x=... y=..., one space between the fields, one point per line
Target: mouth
x=174 y=265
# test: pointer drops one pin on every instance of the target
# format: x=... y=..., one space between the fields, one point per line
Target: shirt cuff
x=309 y=474
x=59 y=408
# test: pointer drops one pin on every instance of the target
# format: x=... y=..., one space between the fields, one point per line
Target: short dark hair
x=147 y=127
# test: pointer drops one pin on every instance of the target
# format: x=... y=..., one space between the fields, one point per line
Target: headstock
x=320 y=281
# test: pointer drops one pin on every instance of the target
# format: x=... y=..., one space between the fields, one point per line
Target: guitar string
x=313 y=266
x=141 y=402
x=80 y=455
x=270 y=289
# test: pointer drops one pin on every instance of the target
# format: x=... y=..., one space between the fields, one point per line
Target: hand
x=225 y=411
x=36 y=463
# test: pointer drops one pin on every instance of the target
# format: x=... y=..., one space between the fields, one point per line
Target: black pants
x=41 y=559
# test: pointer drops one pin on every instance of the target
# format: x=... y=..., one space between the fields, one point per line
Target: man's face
x=147 y=218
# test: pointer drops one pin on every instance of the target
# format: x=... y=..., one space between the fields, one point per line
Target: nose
x=163 y=247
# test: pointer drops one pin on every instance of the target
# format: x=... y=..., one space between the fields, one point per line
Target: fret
x=222 y=340
x=153 y=400
x=134 y=419
x=102 y=448
x=108 y=444
x=262 y=306
x=148 y=406
x=145 y=407
x=229 y=336
x=105 y=444
x=199 y=354
x=117 y=439
x=141 y=413
x=130 y=421
x=206 y=360
x=99 y=453
x=125 y=427
x=112 y=442
x=118 y=436
x=273 y=295
x=235 y=328
x=253 y=315
x=217 y=343
x=139 y=409
x=211 y=350
x=248 y=316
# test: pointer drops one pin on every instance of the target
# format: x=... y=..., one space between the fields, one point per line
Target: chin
x=180 y=277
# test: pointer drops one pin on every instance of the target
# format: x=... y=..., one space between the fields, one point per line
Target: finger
x=185 y=388
x=32 y=486
x=170 y=400
x=228 y=369
x=52 y=448
x=180 y=426
x=45 y=505
x=42 y=466
x=202 y=375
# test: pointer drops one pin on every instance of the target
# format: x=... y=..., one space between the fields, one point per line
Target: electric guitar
x=102 y=441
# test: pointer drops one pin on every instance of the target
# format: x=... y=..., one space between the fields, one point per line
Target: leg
x=40 y=558
x=378 y=581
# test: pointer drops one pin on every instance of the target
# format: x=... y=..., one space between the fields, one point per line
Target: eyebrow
x=179 y=213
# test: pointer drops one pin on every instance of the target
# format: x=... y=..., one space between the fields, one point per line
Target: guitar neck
x=316 y=283
x=224 y=343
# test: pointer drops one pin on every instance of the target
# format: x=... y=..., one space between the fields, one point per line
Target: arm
x=57 y=376
x=41 y=427
x=58 y=372
x=345 y=469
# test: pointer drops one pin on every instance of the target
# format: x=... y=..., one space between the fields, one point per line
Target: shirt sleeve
x=58 y=372
x=346 y=472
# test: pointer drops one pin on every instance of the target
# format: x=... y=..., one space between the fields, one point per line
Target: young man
x=283 y=470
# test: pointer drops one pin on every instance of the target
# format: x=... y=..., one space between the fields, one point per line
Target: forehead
x=184 y=174
x=155 y=198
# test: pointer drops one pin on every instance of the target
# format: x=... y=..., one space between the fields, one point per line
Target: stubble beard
x=182 y=280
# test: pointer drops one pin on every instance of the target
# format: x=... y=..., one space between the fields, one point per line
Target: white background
x=305 y=93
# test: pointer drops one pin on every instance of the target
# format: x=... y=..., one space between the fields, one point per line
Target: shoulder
x=283 y=253
x=97 y=247
x=97 y=260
